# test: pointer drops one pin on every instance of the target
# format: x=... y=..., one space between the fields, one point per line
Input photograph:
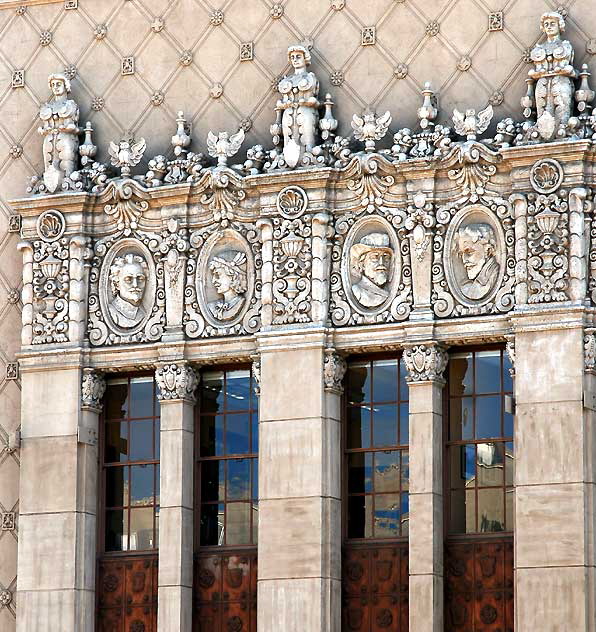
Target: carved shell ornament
x=546 y=176
x=51 y=225
x=292 y=202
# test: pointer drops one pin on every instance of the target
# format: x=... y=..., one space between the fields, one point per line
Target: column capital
x=176 y=381
x=334 y=370
x=93 y=387
x=425 y=362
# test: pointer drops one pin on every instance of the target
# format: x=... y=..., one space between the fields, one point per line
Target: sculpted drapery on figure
x=553 y=73
x=128 y=278
x=300 y=106
x=59 y=127
x=372 y=258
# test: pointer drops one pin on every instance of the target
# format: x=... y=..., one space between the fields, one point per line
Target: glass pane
x=358 y=383
x=238 y=481
x=386 y=472
x=507 y=379
x=463 y=511
x=141 y=485
x=212 y=433
x=385 y=381
x=157 y=481
x=238 y=523
x=507 y=424
x=488 y=417
x=255 y=521
x=462 y=460
x=358 y=427
x=157 y=428
x=490 y=510
x=255 y=478
x=488 y=371
x=489 y=464
x=116 y=400
x=116 y=442
x=157 y=527
x=360 y=516
x=360 y=472
x=141 y=397
x=509 y=464
x=405 y=514
x=212 y=481
x=212 y=524
x=141 y=440
x=116 y=528
x=238 y=390
x=385 y=424
x=116 y=486
x=460 y=374
x=254 y=428
x=404 y=391
x=141 y=529
x=237 y=429
x=405 y=470
x=387 y=515
x=461 y=416
x=212 y=396
x=510 y=510
x=404 y=424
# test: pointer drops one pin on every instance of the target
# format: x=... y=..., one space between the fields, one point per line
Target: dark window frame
x=252 y=456
x=345 y=451
x=502 y=440
x=102 y=507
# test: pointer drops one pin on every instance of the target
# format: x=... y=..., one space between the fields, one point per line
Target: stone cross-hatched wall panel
x=135 y=63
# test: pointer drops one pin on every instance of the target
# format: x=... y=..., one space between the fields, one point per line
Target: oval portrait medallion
x=474 y=255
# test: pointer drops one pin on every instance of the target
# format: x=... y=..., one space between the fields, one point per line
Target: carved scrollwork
x=368 y=178
x=125 y=201
x=222 y=193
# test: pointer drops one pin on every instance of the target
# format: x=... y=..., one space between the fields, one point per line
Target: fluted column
x=177 y=384
x=426 y=364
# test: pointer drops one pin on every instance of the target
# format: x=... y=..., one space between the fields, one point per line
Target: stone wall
x=135 y=63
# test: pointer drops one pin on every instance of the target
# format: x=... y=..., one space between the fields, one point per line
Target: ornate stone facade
x=369 y=210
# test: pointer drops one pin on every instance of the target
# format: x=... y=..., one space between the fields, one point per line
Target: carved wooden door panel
x=479 y=586
x=225 y=592
x=127 y=594
x=375 y=588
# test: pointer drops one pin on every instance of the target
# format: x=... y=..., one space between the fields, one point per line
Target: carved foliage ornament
x=425 y=362
x=176 y=381
x=334 y=369
x=93 y=387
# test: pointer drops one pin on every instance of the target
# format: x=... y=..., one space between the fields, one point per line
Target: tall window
x=480 y=451
x=376 y=449
x=130 y=465
x=227 y=472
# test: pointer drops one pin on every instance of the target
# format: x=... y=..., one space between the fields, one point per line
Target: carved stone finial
x=224 y=146
x=181 y=139
x=176 y=381
x=368 y=128
x=471 y=124
x=334 y=370
x=93 y=387
x=425 y=362
x=126 y=154
x=428 y=112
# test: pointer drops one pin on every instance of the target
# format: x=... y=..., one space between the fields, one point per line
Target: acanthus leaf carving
x=222 y=193
x=368 y=182
x=126 y=202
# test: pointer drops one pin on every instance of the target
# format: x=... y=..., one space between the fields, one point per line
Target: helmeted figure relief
x=128 y=278
x=229 y=278
x=372 y=258
x=554 y=73
x=59 y=127
x=299 y=104
x=476 y=245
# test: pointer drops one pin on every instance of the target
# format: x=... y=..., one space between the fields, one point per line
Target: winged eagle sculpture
x=369 y=128
x=127 y=154
x=471 y=124
x=224 y=146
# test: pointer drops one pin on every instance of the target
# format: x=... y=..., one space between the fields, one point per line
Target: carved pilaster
x=93 y=387
x=425 y=362
x=176 y=381
x=334 y=370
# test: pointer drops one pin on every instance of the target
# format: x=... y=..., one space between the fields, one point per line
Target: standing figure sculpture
x=60 y=129
x=553 y=73
x=300 y=106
